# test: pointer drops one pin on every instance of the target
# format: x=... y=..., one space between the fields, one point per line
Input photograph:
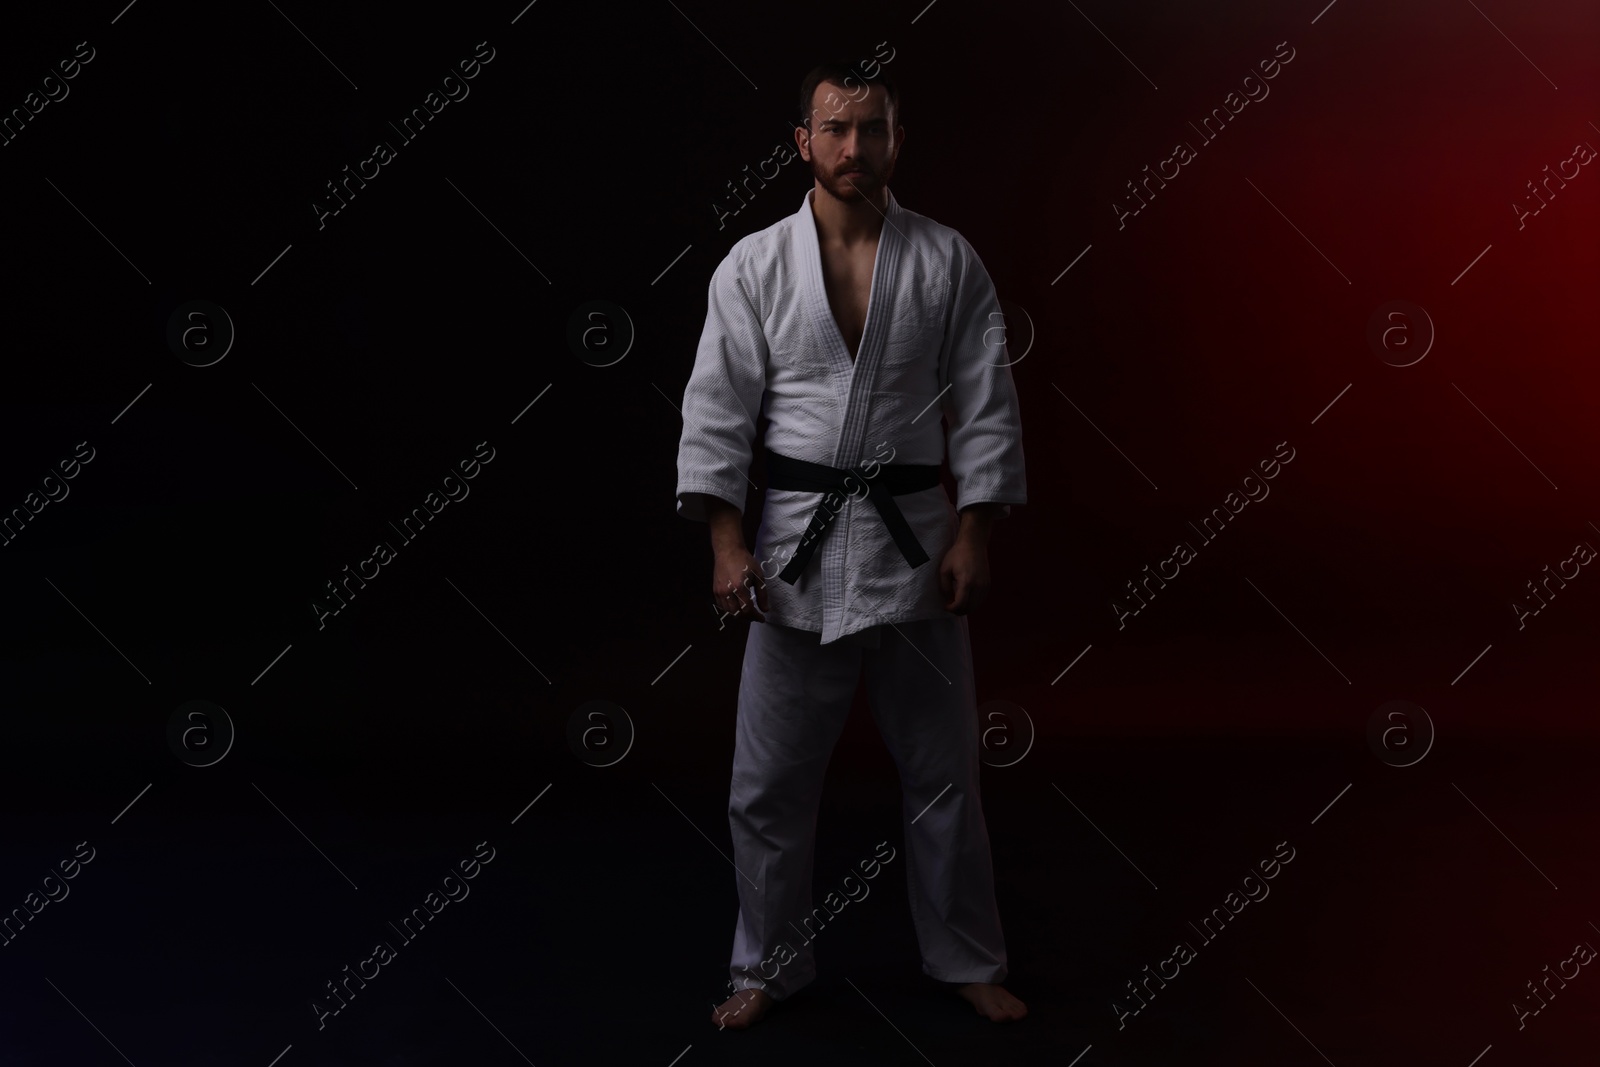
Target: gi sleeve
x=723 y=397
x=983 y=419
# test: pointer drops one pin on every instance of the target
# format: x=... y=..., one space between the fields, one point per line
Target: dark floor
x=1399 y=933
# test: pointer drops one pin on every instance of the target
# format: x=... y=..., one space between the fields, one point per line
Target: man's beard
x=851 y=190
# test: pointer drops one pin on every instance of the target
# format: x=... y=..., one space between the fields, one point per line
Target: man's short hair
x=846 y=77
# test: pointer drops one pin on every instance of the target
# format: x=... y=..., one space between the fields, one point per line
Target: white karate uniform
x=931 y=344
x=932 y=341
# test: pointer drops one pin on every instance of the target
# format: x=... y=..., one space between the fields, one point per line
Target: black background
x=374 y=352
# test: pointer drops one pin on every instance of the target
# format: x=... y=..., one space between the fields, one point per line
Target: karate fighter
x=853 y=325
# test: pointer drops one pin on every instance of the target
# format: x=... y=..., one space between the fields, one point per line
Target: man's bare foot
x=993 y=1001
x=744 y=1009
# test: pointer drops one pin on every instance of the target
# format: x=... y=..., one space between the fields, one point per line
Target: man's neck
x=848 y=224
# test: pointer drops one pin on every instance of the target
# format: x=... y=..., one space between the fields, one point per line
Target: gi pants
x=794 y=696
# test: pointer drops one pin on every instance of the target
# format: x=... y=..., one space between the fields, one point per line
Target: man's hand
x=735 y=571
x=732 y=575
x=964 y=571
x=964 y=575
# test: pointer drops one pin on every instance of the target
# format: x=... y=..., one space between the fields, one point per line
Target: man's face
x=852 y=148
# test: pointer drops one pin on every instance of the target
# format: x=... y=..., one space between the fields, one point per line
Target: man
x=853 y=324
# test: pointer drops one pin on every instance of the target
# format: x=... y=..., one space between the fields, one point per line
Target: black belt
x=889 y=481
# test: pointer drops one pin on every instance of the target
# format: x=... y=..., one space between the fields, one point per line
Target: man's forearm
x=727 y=529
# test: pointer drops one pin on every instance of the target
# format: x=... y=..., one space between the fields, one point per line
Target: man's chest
x=814 y=317
x=847 y=279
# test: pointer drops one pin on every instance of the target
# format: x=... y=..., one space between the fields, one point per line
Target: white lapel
x=853 y=380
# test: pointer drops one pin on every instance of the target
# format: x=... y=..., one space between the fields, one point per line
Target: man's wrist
x=977 y=521
x=727 y=527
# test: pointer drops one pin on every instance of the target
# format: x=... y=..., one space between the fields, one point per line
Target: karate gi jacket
x=933 y=344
